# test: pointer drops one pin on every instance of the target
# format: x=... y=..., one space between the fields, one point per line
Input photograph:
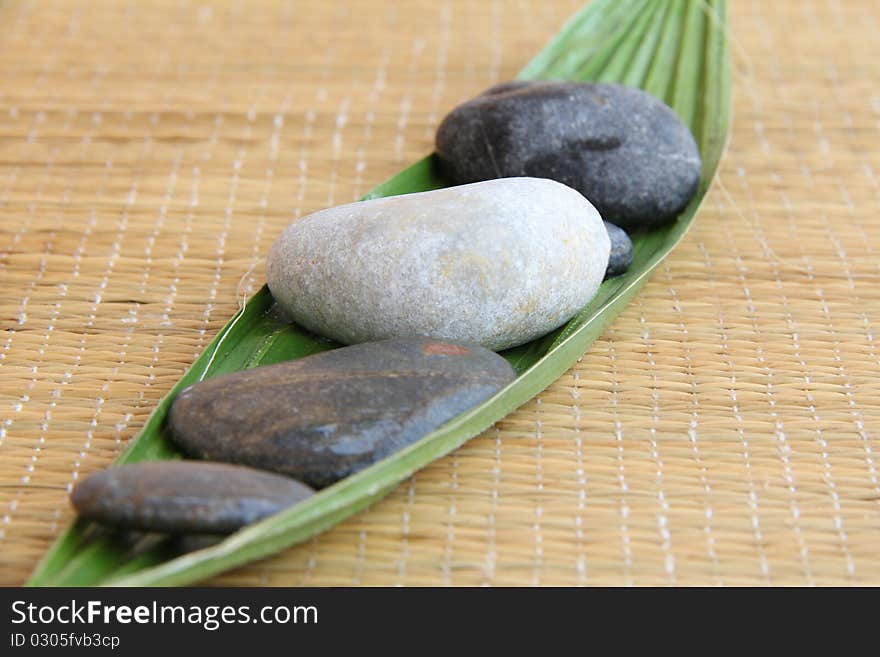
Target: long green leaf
x=677 y=50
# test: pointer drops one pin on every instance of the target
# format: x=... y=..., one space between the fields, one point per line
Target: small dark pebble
x=184 y=496
x=623 y=149
x=184 y=543
x=327 y=416
x=621 y=251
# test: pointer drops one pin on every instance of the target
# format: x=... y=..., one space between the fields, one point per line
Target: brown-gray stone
x=184 y=496
x=326 y=416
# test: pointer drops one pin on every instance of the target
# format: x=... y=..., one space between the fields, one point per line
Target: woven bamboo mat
x=725 y=430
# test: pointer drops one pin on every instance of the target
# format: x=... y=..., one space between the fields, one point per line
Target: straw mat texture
x=725 y=430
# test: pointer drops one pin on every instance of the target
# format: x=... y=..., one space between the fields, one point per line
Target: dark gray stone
x=184 y=496
x=623 y=149
x=326 y=416
x=621 y=251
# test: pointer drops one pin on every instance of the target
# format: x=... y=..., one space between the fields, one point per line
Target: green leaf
x=677 y=50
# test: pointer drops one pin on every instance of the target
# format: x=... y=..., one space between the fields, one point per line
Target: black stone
x=326 y=416
x=623 y=149
x=621 y=251
x=184 y=496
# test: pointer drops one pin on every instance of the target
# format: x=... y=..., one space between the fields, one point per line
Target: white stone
x=496 y=263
